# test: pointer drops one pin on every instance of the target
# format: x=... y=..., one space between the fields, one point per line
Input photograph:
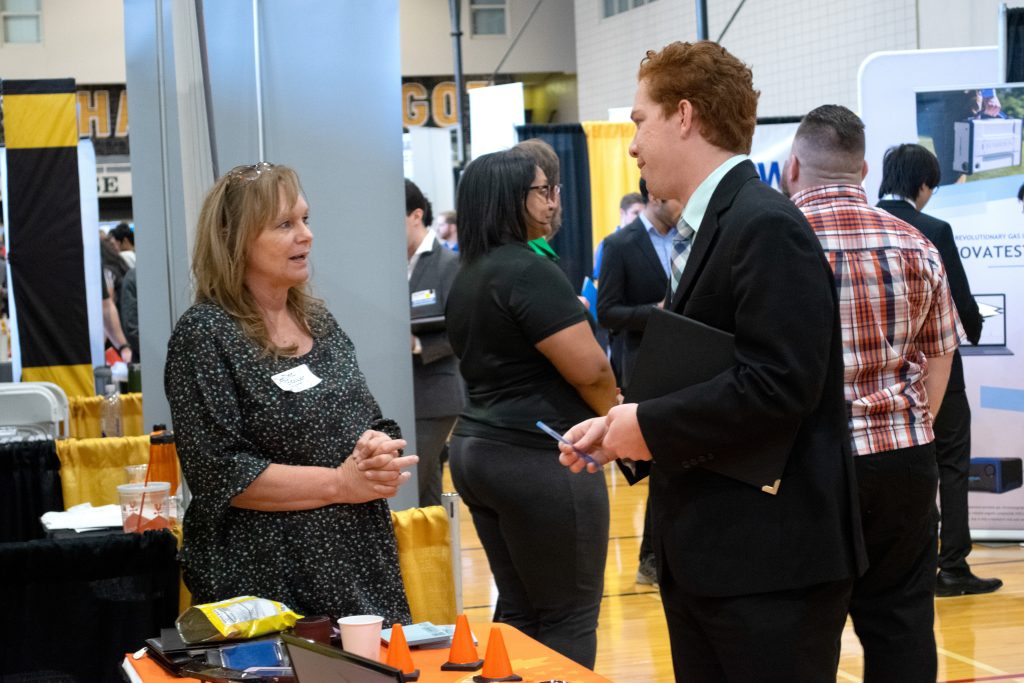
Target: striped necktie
x=680 y=252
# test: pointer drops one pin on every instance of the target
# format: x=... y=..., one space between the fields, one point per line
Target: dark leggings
x=545 y=532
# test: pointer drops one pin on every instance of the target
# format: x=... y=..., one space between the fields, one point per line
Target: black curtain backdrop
x=74 y=606
x=1015 y=45
x=573 y=243
x=29 y=486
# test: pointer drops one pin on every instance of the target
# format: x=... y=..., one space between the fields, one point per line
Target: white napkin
x=83 y=517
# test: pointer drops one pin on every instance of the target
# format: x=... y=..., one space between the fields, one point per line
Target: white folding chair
x=33 y=408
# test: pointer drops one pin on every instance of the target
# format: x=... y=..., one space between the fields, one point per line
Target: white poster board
x=770 y=148
x=988 y=227
x=430 y=166
x=494 y=113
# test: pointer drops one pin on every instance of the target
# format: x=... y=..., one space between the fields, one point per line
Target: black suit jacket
x=632 y=283
x=940 y=234
x=756 y=270
x=435 y=371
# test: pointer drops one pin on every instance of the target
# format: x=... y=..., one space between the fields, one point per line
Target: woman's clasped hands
x=375 y=468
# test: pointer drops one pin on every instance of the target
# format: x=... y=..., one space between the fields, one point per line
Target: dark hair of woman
x=491 y=203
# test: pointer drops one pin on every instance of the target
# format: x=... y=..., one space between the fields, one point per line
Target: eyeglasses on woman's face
x=549 y=192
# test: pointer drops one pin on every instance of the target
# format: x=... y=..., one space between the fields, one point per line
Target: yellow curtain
x=91 y=469
x=85 y=416
x=613 y=172
x=426 y=561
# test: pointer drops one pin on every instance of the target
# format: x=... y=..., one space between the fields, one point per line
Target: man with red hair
x=755 y=582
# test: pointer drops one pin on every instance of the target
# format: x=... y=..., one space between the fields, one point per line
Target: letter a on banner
x=44 y=230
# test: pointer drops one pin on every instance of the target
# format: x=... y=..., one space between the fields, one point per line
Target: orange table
x=531 y=660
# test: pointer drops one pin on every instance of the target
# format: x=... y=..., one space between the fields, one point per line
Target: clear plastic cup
x=135 y=474
x=145 y=507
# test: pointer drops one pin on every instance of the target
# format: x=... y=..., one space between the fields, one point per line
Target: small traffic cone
x=399 y=655
x=496 y=664
x=462 y=656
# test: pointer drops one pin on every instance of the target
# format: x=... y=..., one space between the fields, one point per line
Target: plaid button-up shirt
x=895 y=309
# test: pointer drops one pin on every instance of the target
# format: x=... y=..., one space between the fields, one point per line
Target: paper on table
x=83 y=518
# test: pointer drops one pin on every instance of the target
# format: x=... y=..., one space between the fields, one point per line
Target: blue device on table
x=558 y=437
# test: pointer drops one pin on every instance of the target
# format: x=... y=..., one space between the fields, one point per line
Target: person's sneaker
x=647 y=572
x=948 y=584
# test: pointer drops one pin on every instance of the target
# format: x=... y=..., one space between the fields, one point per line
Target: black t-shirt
x=499 y=307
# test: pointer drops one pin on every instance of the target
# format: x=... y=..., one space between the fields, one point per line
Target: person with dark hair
x=1020 y=196
x=630 y=207
x=634 y=278
x=446 y=230
x=526 y=353
x=900 y=331
x=114 y=268
x=435 y=374
x=123 y=237
x=755 y=581
x=910 y=173
x=129 y=313
x=286 y=453
x=544 y=156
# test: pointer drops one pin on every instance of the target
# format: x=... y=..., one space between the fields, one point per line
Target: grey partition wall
x=315 y=85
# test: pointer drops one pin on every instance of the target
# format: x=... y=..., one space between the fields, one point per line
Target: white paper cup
x=360 y=635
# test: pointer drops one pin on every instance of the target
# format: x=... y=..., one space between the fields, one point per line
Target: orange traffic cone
x=399 y=655
x=496 y=664
x=462 y=656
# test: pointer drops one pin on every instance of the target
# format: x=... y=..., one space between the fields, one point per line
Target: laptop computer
x=993 y=332
x=317 y=663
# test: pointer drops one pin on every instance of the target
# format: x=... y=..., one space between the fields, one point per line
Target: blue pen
x=558 y=437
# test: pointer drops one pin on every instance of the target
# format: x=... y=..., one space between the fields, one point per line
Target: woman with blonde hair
x=285 y=451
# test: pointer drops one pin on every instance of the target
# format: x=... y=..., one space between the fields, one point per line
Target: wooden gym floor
x=980 y=638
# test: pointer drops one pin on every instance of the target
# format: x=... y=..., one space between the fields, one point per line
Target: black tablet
x=314 y=663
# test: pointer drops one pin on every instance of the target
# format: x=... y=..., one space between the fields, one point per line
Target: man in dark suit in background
x=910 y=174
x=755 y=582
x=438 y=391
x=634 y=279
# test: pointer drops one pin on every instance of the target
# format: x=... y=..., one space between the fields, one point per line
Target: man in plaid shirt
x=900 y=330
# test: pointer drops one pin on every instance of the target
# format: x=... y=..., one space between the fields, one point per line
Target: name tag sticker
x=297 y=379
x=424 y=297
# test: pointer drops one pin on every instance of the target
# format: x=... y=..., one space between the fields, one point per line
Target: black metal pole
x=702 y=19
x=454 y=9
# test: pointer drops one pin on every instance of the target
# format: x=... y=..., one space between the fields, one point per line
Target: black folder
x=678 y=352
x=430 y=323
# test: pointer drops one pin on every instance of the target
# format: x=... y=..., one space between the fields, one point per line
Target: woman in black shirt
x=527 y=353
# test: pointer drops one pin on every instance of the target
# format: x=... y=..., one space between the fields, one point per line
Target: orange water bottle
x=163 y=458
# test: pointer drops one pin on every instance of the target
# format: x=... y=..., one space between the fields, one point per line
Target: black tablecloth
x=72 y=607
x=29 y=486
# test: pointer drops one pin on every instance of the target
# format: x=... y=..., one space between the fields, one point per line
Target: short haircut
x=544 y=156
x=122 y=231
x=491 y=202
x=833 y=136
x=631 y=199
x=414 y=199
x=719 y=86
x=905 y=168
x=448 y=217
